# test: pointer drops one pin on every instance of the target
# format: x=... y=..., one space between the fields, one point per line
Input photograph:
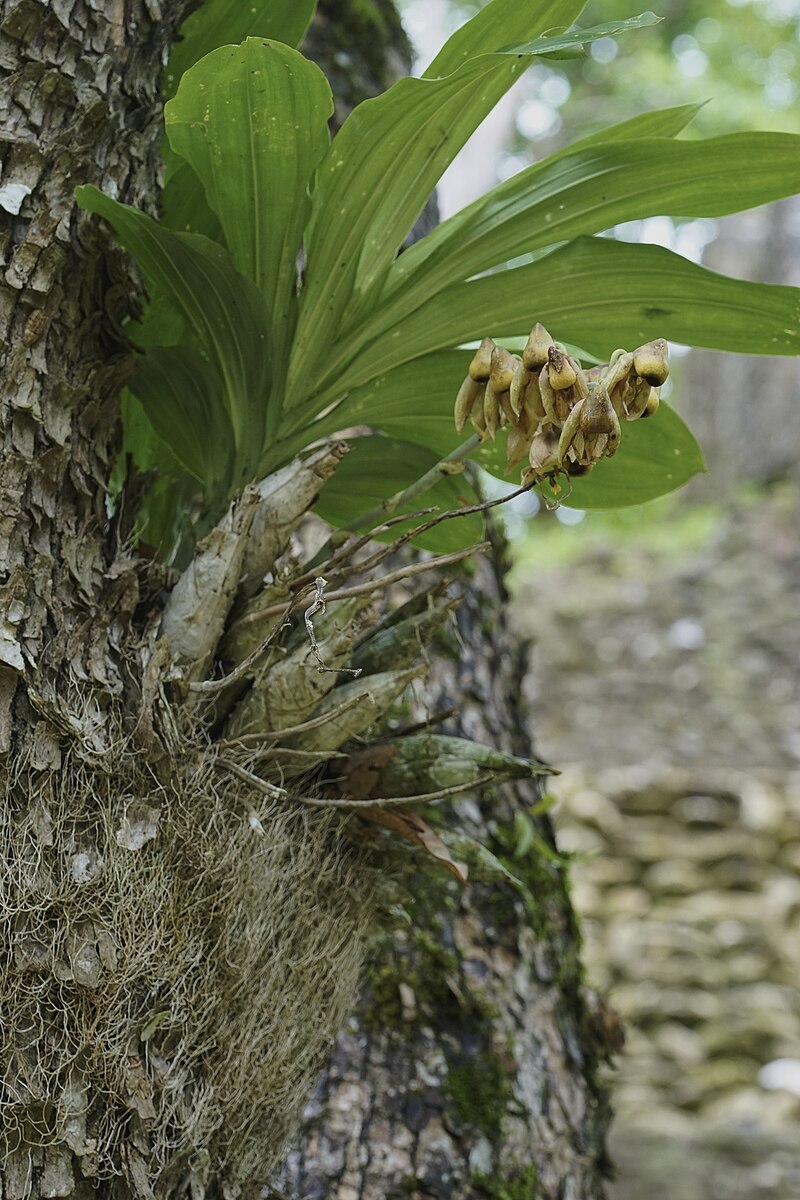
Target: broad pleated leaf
x=661 y=123
x=252 y=122
x=161 y=324
x=380 y=170
x=222 y=22
x=414 y=403
x=183 y=400
x=223 y=311
x=140 y=441
x=397 y=217
x=377 y=467
x=598 y=293
x=219 y=23
x=591 y=189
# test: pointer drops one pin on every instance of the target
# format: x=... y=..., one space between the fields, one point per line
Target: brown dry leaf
x=414 y=829
x=361 y=772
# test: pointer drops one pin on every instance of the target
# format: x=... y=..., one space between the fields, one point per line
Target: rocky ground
x=666 y=684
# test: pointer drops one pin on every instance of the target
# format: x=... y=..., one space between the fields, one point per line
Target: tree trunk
x=469 y=1069
x=181 y=950
x=80 y=99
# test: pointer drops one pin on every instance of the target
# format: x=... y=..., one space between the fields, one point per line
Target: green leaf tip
x=550 y=43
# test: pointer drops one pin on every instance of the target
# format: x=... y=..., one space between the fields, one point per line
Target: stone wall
x=688 y=885
x=666 y=687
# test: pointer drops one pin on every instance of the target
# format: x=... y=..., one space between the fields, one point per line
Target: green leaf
x=164 y=514
x=484 y=867
x=140 y=441
x=661 y=122
x=222 y=310
x=597 y=293
x=589 y=190
x=183 y=402
x=656 y=456
x=222 y=22
x=414 y=402
x=159 y=325
x=183 y=204
x=495 y=27
x=641 y=292
x=380 y=170
x=252 y=122
x=581 y=37
x=217 y=23
x=377 y=467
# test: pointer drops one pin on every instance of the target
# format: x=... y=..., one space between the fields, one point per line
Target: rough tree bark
x=470 y=1067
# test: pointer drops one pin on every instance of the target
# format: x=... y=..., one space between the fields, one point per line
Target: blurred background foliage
x=742 y=55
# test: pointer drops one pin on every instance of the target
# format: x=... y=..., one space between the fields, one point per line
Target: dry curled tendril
x=562 y=419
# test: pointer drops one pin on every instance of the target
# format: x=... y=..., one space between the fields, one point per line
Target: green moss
x=478 y=1082
x=384 y=1010
x=517 y=1185
x=432 y=972
x=544 y=872
x=479 y=1089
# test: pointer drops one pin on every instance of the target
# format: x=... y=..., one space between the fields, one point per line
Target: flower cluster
x=560 y=416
